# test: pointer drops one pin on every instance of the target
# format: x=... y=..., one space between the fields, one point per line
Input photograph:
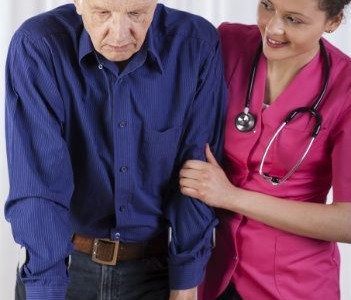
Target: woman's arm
x=207 y=182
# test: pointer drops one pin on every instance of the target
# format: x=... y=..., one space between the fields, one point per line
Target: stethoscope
x=245 y=121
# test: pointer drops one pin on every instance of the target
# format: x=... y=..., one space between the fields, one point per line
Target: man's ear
x=78 y=4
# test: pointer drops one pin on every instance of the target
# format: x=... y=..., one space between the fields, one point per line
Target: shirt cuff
x=37 y=292
x=187 y=276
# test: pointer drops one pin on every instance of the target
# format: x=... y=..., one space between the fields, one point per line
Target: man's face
x=117 y=28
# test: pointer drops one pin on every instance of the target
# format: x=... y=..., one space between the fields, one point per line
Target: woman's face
x=291 y=29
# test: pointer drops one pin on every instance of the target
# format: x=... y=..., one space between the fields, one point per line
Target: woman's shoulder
x=237 y=29
x=239 y=43
x=340 y=66
x=239 y=36
x=339 y=82
x=339 y=60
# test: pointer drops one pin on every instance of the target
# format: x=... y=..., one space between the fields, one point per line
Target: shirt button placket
x=123 y=136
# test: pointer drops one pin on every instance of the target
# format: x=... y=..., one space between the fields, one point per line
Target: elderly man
x=105 y=100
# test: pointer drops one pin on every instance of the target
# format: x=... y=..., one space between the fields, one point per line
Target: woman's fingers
x=189 y=192
x=193 y=188
x=195 y=164
x=190 y=173
x=210 y=157
x=191 y=183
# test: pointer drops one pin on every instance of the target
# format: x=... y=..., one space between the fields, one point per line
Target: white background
x=13 y=12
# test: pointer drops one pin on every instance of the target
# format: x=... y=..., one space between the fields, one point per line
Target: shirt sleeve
x=341 y=159
x=191 y=221
x=40 y=172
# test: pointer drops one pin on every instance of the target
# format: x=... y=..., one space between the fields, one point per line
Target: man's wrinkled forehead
x=121 y=2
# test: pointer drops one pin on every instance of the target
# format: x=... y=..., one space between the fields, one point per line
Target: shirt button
x=122 y=124
x=100 y=66
x=122 y=208
x=117 y=235
x=123 y=169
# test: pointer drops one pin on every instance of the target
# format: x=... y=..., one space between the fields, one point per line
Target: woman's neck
x=281 y=73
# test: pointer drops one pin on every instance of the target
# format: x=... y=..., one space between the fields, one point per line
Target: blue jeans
x=145 y=279
x=229 y=294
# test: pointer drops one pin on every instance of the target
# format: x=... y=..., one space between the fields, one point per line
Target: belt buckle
x=94 y=255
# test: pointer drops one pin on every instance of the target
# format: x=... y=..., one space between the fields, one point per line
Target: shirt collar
x=86 y=48
x=85 y=45
x=150 y=45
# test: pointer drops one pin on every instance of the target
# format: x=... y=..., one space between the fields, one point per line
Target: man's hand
x=190 y=294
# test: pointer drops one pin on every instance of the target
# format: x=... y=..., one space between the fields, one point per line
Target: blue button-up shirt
x=96 y=151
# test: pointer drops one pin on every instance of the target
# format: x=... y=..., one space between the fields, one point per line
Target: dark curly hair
x=333 y=7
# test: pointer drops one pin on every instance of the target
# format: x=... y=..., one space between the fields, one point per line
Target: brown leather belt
x=108 y=252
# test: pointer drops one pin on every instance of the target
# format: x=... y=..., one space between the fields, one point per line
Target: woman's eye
x=293 y=20
x=266 y=5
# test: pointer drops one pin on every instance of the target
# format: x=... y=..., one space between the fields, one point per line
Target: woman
x=276 y=238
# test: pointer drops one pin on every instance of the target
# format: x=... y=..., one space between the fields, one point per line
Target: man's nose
x=119 y=28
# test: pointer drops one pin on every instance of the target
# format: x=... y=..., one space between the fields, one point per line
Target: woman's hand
x=206 y=181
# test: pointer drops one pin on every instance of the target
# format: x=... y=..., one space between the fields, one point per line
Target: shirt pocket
x=157 y=154
x=289 y=147
x=306 y=268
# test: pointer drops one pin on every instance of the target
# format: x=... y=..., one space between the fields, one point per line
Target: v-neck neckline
x=300 y=92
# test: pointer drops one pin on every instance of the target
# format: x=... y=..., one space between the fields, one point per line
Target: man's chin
x=118 y=55
x=118 y=58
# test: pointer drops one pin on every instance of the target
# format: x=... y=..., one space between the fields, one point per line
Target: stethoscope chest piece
x=245 y=121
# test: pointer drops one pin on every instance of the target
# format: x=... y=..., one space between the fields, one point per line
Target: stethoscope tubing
x=274 y=180
x=246 y=115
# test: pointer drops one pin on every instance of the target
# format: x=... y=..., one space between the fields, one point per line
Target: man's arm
x=189 y=294
x=192 y=222
x=40 y=173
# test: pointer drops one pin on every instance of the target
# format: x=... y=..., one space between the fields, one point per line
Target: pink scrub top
x=263 y=262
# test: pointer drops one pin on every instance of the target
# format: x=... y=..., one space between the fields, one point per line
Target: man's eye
x=134 y=13
x=103 y=13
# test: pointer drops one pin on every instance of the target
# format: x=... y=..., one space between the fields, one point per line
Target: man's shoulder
x=62 y=20
x=181 y=24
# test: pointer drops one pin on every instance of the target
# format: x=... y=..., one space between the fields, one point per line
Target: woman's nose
x=275 y=26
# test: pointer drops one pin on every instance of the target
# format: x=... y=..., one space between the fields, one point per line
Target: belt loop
x=214 y=238
x=169 y=235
